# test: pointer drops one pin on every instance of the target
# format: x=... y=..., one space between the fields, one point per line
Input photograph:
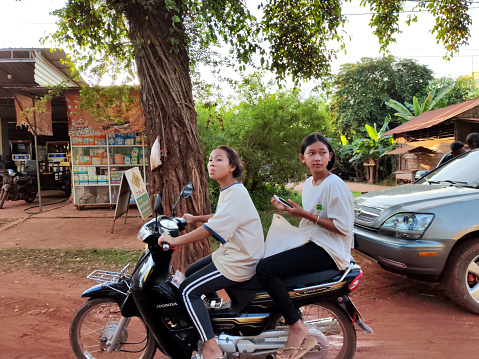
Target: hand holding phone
x=283 y=201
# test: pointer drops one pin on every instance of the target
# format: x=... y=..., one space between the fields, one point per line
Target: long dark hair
x=234 y=160
x=315 y=137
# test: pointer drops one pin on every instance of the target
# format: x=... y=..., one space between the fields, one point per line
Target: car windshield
x=462 y=171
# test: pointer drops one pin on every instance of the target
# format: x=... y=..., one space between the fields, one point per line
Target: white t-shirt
x=236 y=224
x=334 y=200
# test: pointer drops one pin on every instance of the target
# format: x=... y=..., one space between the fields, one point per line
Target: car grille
x=365 y=214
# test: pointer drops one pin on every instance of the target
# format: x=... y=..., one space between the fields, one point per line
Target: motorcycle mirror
x=185 y=193
x=157 y=208
x=188 y=190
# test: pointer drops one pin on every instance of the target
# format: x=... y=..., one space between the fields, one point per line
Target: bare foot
x=297 y=333
x=211 y=349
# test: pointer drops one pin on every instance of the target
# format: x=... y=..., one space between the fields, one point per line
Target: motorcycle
x=131 y=315
x=17 y=186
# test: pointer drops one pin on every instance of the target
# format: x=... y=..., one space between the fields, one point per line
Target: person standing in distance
x=472 y=140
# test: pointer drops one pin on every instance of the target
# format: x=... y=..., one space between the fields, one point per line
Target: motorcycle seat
x=23 y=181
x=302 y=280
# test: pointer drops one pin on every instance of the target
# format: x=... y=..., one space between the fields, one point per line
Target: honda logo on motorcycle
x=158 y=306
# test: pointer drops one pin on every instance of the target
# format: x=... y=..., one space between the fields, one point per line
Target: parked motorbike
x=131 y=315
x=17 y=186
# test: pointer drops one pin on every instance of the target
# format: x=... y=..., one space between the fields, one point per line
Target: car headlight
x=406 y=225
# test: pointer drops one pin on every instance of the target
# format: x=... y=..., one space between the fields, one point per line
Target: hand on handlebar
x=189 y=218
x=164 y=238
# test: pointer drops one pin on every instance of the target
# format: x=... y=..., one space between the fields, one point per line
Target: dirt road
x=411 y=319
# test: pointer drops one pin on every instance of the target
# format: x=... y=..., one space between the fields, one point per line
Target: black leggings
x=271 y=271
x=202 y=277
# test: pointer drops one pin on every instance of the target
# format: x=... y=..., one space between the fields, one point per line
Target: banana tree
x=407 y=111
x=347 y=151
x=374 y=147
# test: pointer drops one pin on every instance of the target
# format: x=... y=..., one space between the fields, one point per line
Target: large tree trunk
x=170 y=115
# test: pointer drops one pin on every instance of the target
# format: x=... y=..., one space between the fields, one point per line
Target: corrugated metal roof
x=400 y=150
x=434 y=117
x=410 y=149
x=30 y=70
x=51 y=71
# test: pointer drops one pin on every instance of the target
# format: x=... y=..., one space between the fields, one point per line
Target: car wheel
x=462 y=275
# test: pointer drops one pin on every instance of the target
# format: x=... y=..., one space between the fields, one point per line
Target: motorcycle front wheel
x=94 y=325
x=30 y=197
x=335 y=325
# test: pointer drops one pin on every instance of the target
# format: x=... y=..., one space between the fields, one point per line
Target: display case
x=98 y=163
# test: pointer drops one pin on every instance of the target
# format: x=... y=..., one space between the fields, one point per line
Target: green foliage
x=344 y=152
x=110 y=103
x=363 y=88
x=452 y=22
x=439 y=93
x=374 y=147
x=299 y=33
x=409 y=111
x=266 y=130
x=451 y=26
x=96 y=35
x=462 y=89
x=262 y=195
x=103 y=35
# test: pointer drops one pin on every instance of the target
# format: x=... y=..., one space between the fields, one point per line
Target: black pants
x=202 y=277
x=301 y=260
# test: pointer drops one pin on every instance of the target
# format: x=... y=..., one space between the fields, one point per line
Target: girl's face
x=316 y=157
x=219 y=166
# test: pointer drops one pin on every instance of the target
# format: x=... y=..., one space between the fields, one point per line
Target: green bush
x=261 y=196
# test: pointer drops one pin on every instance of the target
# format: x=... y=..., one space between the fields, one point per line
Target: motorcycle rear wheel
x=97 y=318
x=335 y=324
x=3 y=197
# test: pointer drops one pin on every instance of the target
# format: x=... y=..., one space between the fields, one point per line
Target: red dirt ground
x=411 y=319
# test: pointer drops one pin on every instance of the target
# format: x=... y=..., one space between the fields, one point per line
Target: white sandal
x=305 y=347
x=200 y=356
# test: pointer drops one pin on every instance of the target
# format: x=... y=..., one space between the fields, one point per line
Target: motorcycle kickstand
x=116 y=337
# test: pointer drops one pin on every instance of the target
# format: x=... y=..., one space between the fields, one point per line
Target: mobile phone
x=283 y=201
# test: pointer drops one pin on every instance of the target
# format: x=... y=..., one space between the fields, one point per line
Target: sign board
x=138 y=189
x=132 y=184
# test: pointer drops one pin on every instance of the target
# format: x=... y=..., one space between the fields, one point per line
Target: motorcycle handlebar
x=165 y=246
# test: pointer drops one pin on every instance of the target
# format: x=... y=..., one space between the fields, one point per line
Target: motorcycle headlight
x=145 y=231
x=406 y=225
